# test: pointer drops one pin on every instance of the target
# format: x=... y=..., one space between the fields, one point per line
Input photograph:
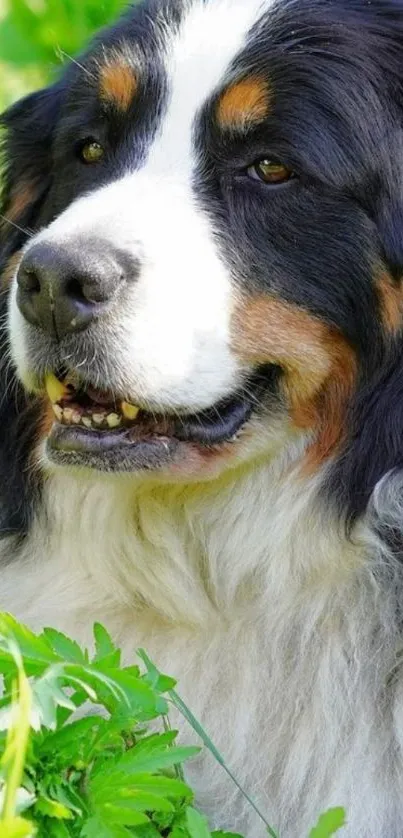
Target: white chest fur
x=281 y=632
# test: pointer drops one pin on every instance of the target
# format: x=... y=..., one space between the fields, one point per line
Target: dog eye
x=91 y=152
x=270 y=171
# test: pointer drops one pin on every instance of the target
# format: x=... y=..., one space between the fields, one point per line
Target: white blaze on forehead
x=170 y=343
x=199 y=55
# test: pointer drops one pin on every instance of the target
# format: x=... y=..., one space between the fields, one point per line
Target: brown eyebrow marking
x=118 y=83
x=244 y=103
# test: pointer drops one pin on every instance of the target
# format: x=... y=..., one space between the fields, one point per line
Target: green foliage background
x=37 y=35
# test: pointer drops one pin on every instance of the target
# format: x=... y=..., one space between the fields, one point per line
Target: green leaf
x=17 y=828
x=329 y=824
x=113 y=786
x=114 y=814
x=66 y=794
x=54 y=829
x=140 y=697
x=158 y=784
x=149 y=830
x=105 y=649
x=225 y=835
x=179 y=832
x=136 y=762
x=53 y=809
x=64 y=647
x=156 y=742
x=133 y=799
x=197 y=824
x=96 y=828
x=48 y=696
x=161 y=683
x=35 y=650
x=73 y=741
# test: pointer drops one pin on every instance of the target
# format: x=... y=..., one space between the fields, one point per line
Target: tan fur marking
x=391 y=299
x=267 y=330
x=10 y=269
x=329 y=408
x=118 y=84
x=21 y=197
x=244 y=103
x=319 y=365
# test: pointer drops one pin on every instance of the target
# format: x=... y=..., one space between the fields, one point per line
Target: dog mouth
x=95 y=428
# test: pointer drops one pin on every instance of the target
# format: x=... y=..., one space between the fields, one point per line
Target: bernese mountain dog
x=202 y=384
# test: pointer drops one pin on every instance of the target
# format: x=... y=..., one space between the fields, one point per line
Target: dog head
x=202 y=238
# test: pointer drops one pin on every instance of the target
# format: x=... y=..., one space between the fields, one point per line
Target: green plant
x=33 y=33
x=37 y=35
x=95 y=776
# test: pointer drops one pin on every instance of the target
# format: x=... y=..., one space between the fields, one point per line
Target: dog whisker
x=62 y=54
x=23 y=230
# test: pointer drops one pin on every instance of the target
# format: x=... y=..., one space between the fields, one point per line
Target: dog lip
x=108 y=452
x=69 y=438
x=217 y=425
x=151 y=442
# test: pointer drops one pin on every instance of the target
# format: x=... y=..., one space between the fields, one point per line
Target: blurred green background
x=37 y=35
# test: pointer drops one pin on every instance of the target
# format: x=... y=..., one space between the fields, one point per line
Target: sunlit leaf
x=17 y=828
x=64 y=647
x=53 y=809
x=329 y=824
x=197 y=824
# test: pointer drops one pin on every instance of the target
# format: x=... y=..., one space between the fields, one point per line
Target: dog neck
x=191 y=554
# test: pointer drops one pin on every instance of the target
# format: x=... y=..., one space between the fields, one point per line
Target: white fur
x=284 y=634
x=173 y=326
x=199 y=59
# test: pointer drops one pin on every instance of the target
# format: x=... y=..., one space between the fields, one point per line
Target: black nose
x=62 y=289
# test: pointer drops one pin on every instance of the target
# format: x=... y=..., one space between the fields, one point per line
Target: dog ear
x=27 y=131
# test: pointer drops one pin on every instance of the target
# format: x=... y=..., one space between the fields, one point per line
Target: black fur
x=20 y=484
x=27 y=145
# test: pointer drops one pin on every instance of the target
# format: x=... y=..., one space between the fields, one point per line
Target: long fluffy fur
x=296 y=629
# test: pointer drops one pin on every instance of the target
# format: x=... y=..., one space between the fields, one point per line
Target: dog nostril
x=76 y=291
x=29 y=280
x=61 y=289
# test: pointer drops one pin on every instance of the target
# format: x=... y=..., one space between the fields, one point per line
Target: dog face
x=214 y=196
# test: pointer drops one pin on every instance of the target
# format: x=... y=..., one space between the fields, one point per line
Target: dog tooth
x=54 y=388
x=76 y=417
x=68 y=415
x=86 y=421
x=57 y=410
x=130 y=411
x=98 y=418
x=113 y=420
